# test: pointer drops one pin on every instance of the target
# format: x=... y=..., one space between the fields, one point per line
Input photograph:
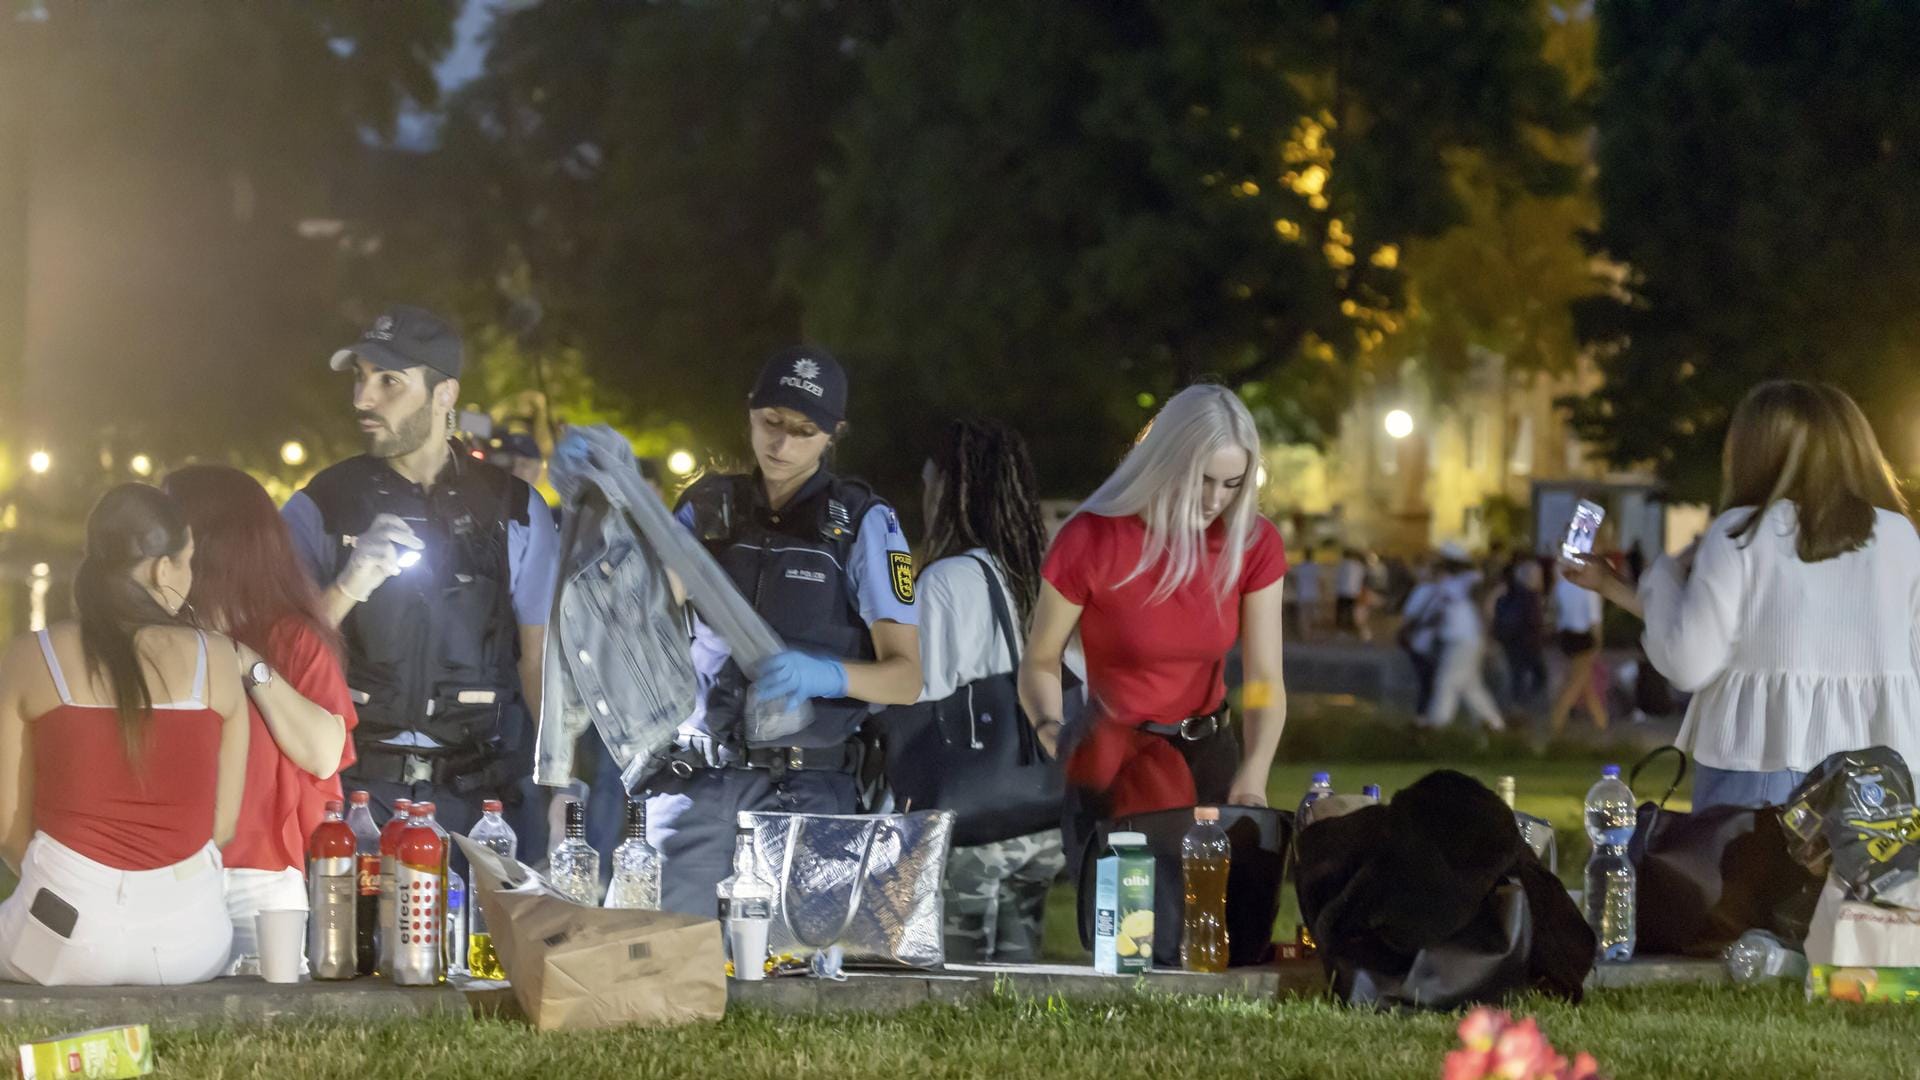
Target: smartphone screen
x=1581 y=530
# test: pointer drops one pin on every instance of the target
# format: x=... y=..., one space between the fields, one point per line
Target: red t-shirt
x=1147 y=662
x=1154 y=662
x=283 y=802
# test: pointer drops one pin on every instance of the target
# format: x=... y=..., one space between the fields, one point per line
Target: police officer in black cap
x=439 y=569
x=823 y=560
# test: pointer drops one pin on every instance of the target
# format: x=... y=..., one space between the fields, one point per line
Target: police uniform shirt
x=879 y=547
x=533 y=563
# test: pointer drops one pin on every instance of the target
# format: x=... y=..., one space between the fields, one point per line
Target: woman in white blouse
x=984 y=531
x=1793 y=619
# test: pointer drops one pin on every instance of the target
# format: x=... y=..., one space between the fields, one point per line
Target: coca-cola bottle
x=366 y=909
x=332 y=894
x=420 y=914
x=389 y=848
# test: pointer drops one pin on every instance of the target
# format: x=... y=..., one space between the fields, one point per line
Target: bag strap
x=1003 y=621
x=1001 y=617
x=853 y=894
x=1679 y=774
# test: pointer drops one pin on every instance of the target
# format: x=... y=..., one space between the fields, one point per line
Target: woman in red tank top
x=1161 y=571
x=123 y=744
x=247 y=584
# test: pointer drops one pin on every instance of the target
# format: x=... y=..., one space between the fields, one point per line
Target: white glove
x=376 y=557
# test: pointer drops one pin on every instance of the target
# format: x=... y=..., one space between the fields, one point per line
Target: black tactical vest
x=791 y=565
x=433 y=649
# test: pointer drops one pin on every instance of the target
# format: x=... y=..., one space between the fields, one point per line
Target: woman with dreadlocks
x=984 y=533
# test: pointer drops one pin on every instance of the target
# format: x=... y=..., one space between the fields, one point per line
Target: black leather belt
x=1192 y=729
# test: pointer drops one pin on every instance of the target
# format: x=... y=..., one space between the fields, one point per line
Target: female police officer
x=822 y=559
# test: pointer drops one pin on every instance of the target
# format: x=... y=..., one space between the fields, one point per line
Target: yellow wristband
x=1257 y=694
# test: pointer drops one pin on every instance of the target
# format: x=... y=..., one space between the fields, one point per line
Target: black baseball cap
x=403 y=337
x=806 y=379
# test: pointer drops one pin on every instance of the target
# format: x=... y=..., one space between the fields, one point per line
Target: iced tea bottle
x=1204 y=856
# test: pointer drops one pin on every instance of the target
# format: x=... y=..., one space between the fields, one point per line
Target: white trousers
x=1461 y=679
x=76 y=922
x=250 y=892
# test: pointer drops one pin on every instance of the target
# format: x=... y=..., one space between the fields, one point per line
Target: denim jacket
x=617 y=650
x=618 y=654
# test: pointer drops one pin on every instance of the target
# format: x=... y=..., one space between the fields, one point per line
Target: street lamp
x=292 y=452
x=680 y=463
x=1399 y=424
x=141 y=464
x=40 y=461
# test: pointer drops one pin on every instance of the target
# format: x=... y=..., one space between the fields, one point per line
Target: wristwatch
x=257 y=675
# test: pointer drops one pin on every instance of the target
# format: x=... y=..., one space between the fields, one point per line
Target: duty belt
x=464 y=772
x=778 y=760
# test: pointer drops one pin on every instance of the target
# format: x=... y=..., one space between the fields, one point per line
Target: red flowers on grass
x=1493 y=1046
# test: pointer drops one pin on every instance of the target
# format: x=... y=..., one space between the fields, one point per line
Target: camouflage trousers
x=996 y=897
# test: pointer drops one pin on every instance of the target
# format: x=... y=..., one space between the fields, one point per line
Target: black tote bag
x=974 y=753
x=1259 y=838
x=1709 y=876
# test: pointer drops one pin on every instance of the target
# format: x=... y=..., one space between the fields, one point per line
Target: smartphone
x=1581 y=530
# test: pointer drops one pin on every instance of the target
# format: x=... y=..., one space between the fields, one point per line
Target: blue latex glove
x=793 y=677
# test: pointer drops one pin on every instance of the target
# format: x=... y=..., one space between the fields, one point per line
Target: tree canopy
x=1758 y=160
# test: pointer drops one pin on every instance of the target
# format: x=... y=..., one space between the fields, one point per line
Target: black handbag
x=1709 y=876
x=1433 y=901
x=974 y=753
x=1259 y=837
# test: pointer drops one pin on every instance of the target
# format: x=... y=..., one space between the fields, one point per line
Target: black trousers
x=1212 y=761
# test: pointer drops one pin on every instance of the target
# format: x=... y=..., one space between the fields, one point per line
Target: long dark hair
x=246 y=579
x=1809 y=444
x=988 y=498
x=130 y=524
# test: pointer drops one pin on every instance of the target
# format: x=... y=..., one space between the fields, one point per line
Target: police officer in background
x=439 y=570
x=823 y=560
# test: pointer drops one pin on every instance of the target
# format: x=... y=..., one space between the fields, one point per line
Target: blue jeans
x=1732 y=787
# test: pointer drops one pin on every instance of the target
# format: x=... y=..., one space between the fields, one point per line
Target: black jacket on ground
x=1433 y=901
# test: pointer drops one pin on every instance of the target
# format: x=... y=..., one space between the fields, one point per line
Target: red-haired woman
x=248 y=585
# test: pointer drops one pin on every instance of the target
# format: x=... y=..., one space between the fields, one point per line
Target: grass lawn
x=1667 y=1032
x=1554 y=789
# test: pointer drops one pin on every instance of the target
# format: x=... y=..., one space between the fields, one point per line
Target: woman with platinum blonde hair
x=1161 y=571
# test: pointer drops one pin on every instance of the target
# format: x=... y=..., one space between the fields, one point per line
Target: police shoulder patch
x=900 y=564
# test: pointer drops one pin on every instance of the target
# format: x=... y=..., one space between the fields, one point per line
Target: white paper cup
x=748 y=938
x=282 y=934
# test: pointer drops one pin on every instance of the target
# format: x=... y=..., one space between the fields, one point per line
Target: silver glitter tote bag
x=867 y=883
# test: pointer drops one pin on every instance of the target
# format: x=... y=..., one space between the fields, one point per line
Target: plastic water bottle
x=456 y=937
x=494 y=834
x=1759 y=955
x=1320 y=787
x=1205 y=858
x=1611 y=887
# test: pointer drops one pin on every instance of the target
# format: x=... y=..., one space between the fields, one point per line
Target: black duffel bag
x=1259 y=838
x=974 y=753
x=1709 y=876
x=1434 y=901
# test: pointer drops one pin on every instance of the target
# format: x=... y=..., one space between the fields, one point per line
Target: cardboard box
x=109 y=1053
x=1850 y=934
x=579 y=967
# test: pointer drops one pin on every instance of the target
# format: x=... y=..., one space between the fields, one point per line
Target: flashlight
x=408 y=558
